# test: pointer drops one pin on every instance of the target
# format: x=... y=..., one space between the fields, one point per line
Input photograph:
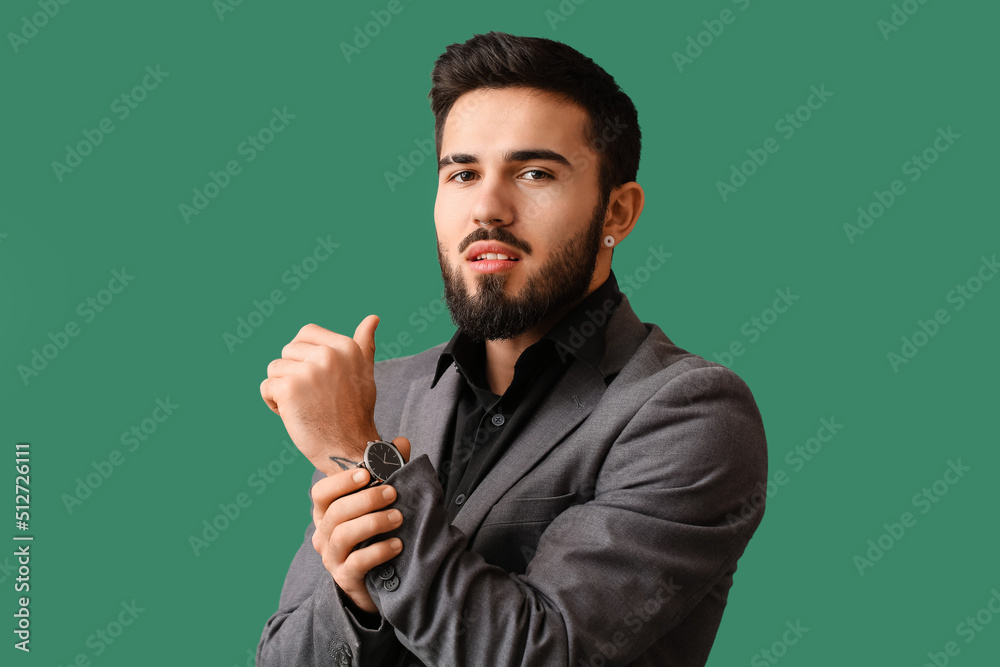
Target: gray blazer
x=607 y=534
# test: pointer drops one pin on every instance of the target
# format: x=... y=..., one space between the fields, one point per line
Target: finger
x=322 y=358
x=335 y=486
x=342 y=510
x=325 y=492
x=359 y=563
x=403 y=445
x=346 y=536
x=282 y=367
x=349 y=507
x=317 y=335
x=267 y=389
x=364 y=336
x=298 y=350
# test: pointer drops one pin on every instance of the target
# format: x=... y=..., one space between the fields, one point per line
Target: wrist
x=355 y=446
x=343 y=463
x=347 y=453
x=366 y=615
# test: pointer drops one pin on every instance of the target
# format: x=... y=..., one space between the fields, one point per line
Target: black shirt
x=485 y=423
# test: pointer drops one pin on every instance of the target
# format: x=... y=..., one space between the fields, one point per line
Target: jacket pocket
x=528 y=510
x=510 y=533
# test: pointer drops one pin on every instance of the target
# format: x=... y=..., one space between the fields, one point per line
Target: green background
x=324 y=176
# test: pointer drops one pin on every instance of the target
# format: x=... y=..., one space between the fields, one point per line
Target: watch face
x=382 y=460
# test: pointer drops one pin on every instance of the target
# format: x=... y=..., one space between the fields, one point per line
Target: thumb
x=364 y=336
x=403 y=445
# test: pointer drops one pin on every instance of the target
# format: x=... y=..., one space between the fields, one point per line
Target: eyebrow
x=523 y=155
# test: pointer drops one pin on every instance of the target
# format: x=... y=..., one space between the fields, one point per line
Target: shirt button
x=459 y=499
x=386 y=571
x=498 y=420
x=391 y=584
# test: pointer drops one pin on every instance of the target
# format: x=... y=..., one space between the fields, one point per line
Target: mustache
x=499 y=235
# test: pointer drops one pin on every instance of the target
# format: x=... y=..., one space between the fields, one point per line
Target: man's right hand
x=344 y=519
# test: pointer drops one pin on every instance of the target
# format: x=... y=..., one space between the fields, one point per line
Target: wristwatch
x=381 y=459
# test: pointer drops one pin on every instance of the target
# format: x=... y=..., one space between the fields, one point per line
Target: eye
x=457 y=174
x=544 y=174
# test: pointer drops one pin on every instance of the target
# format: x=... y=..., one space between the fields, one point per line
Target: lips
x=496 y=258
x=492 y=265
x=489 y=247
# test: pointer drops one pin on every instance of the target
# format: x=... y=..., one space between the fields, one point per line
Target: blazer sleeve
x=313 y=627
x=668 y=519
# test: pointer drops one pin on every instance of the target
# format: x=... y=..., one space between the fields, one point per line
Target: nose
x=492 y=204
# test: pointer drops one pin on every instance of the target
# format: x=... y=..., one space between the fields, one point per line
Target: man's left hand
x=323 y=388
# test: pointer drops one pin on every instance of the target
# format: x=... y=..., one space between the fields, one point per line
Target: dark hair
x=500 y=60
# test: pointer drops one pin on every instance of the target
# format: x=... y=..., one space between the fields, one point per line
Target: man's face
x=544 y=211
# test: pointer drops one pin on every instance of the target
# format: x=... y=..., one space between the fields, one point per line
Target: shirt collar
x=579 y=334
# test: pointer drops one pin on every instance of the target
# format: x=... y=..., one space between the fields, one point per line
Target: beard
x=492 y=314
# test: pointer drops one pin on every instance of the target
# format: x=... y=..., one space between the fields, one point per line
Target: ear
x=624 y=207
